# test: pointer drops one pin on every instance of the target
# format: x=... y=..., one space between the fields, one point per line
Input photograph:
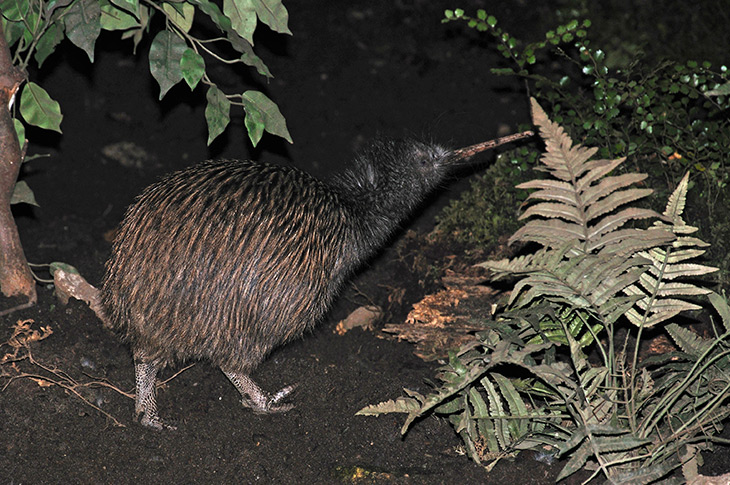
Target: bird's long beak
x=466 y=152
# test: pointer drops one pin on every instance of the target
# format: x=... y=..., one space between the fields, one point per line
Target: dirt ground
x=351 y=71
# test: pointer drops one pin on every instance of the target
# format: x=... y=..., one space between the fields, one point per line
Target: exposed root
x=17 y=348
x=16 y=308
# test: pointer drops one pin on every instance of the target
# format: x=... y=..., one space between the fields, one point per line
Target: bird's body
x=226 y=260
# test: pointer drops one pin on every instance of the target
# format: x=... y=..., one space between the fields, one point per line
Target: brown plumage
x=226 y=260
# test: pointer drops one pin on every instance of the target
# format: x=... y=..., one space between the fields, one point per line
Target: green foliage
x=525 y=381
x=668 y=117
x=33 y=30
x=640 y=111
x=486 y=211
x=39 y=109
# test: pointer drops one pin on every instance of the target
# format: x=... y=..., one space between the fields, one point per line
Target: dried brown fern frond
x=588 y=257
x=582 y=200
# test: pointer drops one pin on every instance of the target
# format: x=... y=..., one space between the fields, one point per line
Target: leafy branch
x=31 y=30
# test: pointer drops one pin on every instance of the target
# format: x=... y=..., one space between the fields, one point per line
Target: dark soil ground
x=351 y=71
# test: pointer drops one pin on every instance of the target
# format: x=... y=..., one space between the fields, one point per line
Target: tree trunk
x=15 y=276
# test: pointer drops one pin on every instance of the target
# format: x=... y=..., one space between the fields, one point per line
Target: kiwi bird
x=225 y=260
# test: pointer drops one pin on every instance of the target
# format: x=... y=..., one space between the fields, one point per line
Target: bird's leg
x=145 y=373
x=254 y=397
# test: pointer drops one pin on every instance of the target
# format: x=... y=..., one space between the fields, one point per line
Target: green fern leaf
x=577 y=460
x=722 y=307
x=400 y=405
x=550 y=190
x=675 y=256
x=690 y=343
x=495 y=409
x=516 y=405
x=555 y=190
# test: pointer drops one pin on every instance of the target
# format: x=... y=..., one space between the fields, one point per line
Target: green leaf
x=14 y=10
x=38 y=109
x=193 y=67
x=274 y=122
x=274 y=14
x=166 y=53
x=113 y=18
x=22 y=194
x=20 y=131
x=247 y=54
x=137 y=33
x=215 y=14
x=51 y=6
x=254 y=125
x=13 y=31
x=242 y=14
x=217 y=113
x=48 y=42
x=722 y=308
x=56 y=265
x=130 y=6
x=577 y=459
x=181 y=14
x=83 y=25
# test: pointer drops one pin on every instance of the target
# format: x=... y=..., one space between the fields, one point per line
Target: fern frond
x=615 y=200
x=614 y=221
x=722 y=308
x=551 y=210
x=581 y=199
x=556 y=190
x=658 y=291
x=609 y=185
x=550 y=233
x=676 y=203
x=630 y=241
x=690 y=343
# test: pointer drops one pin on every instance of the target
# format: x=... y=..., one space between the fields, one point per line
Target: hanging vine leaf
x=181 y=14
x=274 y=14
x=130 y=6
x=242 y=15
x=166 y=53
x=192 y=65
x=274 y=122
x=83 y=24
x=113 y=18
x=39 y=109
x=211 y=10
x=254 y=124
x=217 y=112
x=47 y=43
x=20 y=131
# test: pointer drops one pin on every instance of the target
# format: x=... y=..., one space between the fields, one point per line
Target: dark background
x=351 y=71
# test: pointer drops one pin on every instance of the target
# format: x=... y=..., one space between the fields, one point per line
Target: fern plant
x=525 y=382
